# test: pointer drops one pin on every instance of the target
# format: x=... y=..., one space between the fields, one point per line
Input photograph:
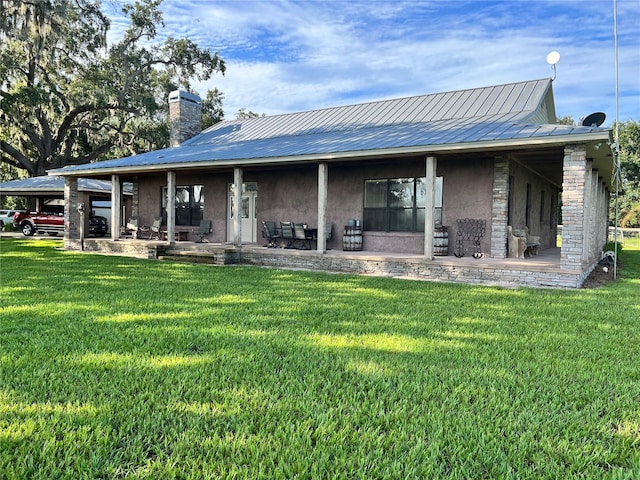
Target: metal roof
x=521 y=100
x=504 y=115
x=53 y=185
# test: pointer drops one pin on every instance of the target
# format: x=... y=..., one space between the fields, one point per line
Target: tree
x=629 y=140
x=243 y=114
x=212 y=108
x=568 y=120
x=67 y=97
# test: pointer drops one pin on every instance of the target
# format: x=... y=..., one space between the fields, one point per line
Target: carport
x=95 y=194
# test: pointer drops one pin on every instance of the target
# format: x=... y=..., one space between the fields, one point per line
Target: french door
x=248 y=213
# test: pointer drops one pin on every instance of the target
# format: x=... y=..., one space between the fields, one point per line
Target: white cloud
x=288 y=55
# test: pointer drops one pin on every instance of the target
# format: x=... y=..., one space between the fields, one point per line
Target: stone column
x=116 y=207
x=429 y=208
x=588 y=210
x=500 y=207
x=573 y=206
x=237 y=206
x=171 y=207
x=604 y=212
x=71 y=214
x=323 y=176
x=594 y=225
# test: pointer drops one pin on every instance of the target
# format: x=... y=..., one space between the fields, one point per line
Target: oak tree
x=69 y=96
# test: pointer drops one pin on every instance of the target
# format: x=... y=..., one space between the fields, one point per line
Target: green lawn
x=114 y=367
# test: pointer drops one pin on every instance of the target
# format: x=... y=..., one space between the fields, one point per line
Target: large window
x=189 y=205
x=398 y=204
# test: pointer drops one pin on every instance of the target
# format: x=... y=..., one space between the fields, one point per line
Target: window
x=189 y=205
x=398 y=204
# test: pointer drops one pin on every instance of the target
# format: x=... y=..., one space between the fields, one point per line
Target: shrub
x=612 y=247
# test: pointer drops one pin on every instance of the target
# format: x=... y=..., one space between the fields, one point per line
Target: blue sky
x=285 y=56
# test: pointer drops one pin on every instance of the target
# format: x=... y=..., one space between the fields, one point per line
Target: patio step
x=220 y=257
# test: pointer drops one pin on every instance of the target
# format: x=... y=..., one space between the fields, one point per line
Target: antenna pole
x=616 y=141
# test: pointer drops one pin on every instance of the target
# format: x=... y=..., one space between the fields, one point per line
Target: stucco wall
x=467 y=193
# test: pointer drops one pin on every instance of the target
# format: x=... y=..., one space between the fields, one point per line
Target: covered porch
x=582 y=238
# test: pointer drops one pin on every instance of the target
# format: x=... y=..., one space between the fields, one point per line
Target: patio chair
x=300 y=235
x=286 y=232
x=156 y=229
x=329 y=231
x=131 y=228
x=204 y=230
x=270 y=232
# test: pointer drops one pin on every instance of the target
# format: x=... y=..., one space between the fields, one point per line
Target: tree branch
x=22 y=160
x=93 y=155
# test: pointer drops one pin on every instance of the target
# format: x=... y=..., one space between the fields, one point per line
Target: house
x=95 y=194
x=401 y=167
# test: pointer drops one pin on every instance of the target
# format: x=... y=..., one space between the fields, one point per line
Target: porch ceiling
x=548 y=162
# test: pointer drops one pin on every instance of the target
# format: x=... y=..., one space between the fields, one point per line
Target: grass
x=113 y=367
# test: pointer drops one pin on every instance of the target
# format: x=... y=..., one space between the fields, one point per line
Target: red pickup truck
x=50 y=220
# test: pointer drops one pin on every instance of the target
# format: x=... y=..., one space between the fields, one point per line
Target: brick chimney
x=185 y=116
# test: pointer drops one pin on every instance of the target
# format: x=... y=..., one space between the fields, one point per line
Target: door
x=248 y=213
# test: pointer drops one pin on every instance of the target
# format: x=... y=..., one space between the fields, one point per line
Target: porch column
x=323 y=175
x=594 y=217
x=116 y=207
x=588 y=212
x=237 y=206
x=429 y=213
x=604 y=212
x=171 y=207
x=500 y=207
x=71 y=214
x=607 y=203
x=573 y=206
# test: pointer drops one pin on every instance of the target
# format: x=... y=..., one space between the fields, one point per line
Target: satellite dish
x=594 y=120
x=553 y=58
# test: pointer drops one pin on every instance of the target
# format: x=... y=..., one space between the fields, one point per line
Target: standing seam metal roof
x=522 y=99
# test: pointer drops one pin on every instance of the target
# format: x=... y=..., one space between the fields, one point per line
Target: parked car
x=6 y=216
x=98 y=226
x=51 y=222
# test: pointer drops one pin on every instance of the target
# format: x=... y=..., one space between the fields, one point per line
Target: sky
x=288 y=56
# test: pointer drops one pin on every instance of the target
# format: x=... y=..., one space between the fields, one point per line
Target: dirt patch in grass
x=601 y=275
